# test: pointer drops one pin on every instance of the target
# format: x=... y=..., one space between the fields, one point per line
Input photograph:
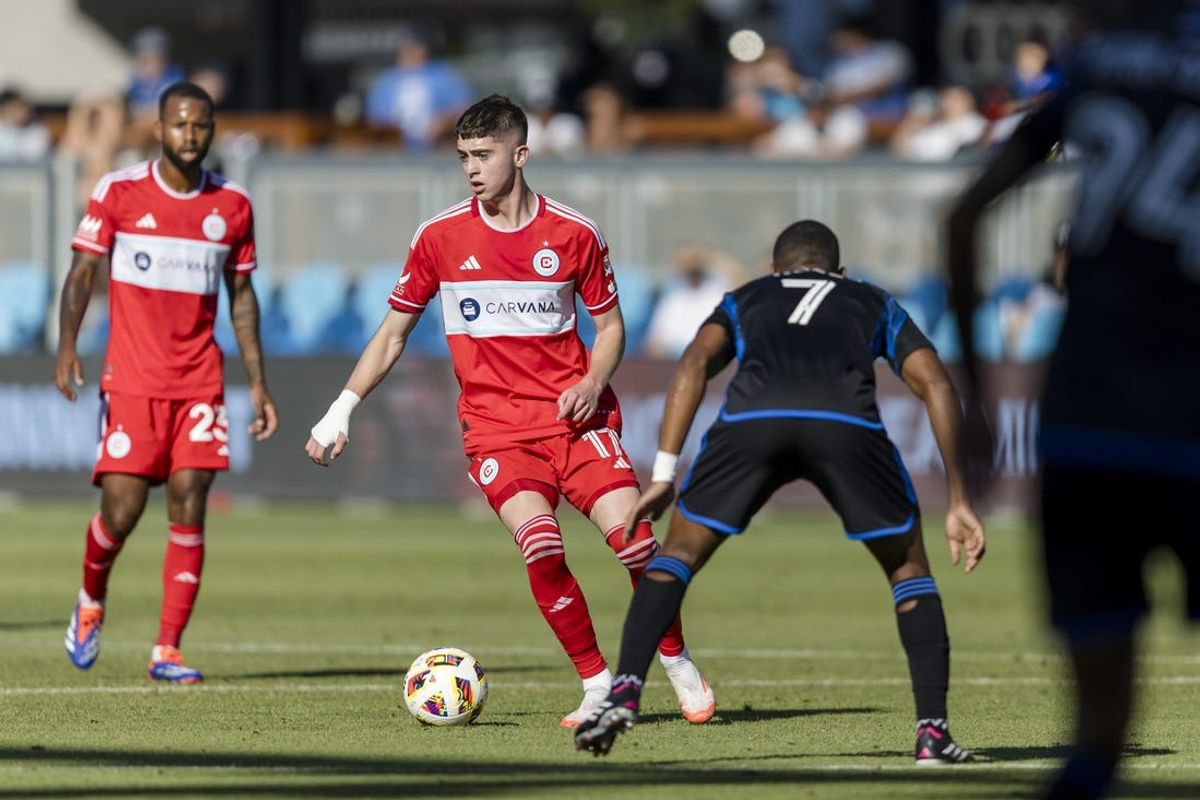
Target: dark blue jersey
x=806 y=343
x=1124 y=385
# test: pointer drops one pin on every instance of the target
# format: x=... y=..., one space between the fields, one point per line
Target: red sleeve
x=242 y=254
x=596 y=284
x=418 y=281
x=96 y=231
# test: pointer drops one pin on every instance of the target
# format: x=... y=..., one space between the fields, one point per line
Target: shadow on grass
x=365 y=672
x=1054 y=752
x=730 y=716
x=31 y=625
x=311 y=775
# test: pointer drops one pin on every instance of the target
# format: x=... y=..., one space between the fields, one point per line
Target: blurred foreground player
x=802 y=406
x=538 y=417
x=171 y=232
x=1120 y=430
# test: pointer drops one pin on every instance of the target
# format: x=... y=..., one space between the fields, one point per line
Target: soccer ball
x=445 y=686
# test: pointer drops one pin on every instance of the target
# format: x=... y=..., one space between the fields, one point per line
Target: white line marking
x=283 y=688
x=406 y=649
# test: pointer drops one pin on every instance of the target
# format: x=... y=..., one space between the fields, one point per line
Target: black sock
x=923 y=634
x=655 y=604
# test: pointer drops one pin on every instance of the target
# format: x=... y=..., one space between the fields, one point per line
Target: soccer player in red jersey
x=171 y=232
x=538 y=418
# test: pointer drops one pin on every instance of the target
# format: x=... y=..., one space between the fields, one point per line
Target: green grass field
x=308 y=619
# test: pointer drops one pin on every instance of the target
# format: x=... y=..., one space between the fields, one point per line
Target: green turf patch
x=308 y=619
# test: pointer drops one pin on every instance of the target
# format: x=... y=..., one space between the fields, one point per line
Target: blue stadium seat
x=24 y=300
x=264 y=290
x=638 y=296
x=989 y=339
x=371 y=294
x=1014 y=290
x=925 y=301
x=309 y=299
x=1040 y=336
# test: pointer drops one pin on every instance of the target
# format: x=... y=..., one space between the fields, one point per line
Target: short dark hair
x=183 y=89
x=806 y=245
x=496 y=116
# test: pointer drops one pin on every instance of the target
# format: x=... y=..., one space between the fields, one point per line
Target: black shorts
x=856 y=468
x=1098 y=525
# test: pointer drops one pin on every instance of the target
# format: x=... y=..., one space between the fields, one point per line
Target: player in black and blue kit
x=802 y=406
x=1120 y=442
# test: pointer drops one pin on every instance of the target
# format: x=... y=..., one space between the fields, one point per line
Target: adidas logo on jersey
x=470 y=263
x=89 y=225
x=562 y=603
x=147 y=221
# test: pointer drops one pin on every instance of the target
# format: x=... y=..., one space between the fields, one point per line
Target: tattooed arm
x=77 y=290
x=243 y=309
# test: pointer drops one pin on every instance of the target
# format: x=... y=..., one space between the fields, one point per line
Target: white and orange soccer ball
x=445 y=686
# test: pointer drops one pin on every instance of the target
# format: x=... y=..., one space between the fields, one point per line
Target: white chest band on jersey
x=483 y=309
x=168 y=263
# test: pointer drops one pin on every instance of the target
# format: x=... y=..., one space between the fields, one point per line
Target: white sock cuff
x=668 y=661
x=602 y=679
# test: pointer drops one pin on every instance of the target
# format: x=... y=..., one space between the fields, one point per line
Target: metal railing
x=359 y=212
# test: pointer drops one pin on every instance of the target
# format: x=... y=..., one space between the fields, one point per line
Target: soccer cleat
x=166 y=664
x=83 y=635
x=696 y=699
x=591 y=699
x=935 y=747
x=615 y=715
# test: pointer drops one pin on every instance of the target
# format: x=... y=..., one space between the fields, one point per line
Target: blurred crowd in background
x=806 y=78
x=771 y=79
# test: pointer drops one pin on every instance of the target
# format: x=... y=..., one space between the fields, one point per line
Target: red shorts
x=154 y=438
x=582 y=467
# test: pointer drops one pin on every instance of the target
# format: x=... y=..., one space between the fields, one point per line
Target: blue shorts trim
x=708 y=522
x=1099 y=628
x=799 y=413
x=671 y=566
x=1125 y=451
x=881 y=532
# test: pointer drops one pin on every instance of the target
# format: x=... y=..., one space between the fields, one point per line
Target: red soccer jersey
x=508 y=303
x=167 y=253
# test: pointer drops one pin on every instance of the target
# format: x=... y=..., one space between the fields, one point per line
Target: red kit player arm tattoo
x=77 y=291
x=243 y=311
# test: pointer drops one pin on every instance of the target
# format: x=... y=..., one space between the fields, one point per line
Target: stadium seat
x=925 y=301
x=1040 y=336
x=264 y=290
x=1013 y=290
x=638 y=296
x=989 y=339
x=371 y=292
x=369 y=302
x=24 y=299
x=309 y=299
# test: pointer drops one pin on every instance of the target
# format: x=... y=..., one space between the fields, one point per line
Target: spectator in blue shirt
x=420 y=96
x=152 y=71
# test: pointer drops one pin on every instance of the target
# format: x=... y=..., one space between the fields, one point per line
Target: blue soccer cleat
x=83 y=635
x=166 y=664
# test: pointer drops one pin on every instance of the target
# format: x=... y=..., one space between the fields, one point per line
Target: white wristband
x=336 y=419
x=664 y=467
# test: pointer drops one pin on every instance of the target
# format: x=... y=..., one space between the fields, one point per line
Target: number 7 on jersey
x=818 y=290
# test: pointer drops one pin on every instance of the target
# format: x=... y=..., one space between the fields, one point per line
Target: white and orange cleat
x=696 y=699
x=166 y=664
x=595 y=691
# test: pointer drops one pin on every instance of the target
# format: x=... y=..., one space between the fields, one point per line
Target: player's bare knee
x=121 y=512
x=187 y=496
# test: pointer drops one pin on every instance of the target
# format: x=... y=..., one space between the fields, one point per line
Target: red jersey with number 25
x=167 y=254
x=508 y=303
